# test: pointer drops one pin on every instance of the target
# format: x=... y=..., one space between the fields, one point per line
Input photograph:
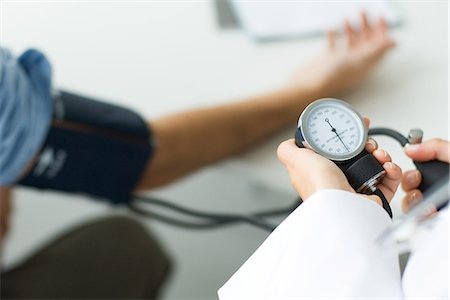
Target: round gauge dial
x=333 y=129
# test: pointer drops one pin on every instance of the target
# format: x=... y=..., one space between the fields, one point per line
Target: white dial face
x=333 y=129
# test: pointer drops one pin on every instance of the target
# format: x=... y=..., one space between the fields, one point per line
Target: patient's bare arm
x=190 y=140
x=5 y=212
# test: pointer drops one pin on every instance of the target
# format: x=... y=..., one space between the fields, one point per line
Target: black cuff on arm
x=93 y=148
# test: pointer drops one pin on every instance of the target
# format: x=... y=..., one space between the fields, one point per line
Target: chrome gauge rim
x=302 y=124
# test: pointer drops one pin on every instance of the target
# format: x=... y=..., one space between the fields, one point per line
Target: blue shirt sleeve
x=26 y=108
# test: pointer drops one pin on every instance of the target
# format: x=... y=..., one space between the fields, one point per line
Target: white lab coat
x=326 y=249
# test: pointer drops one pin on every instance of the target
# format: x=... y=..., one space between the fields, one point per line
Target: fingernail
x=373 y=144
x=415 y=198
x=389 y=165
x=412 y=177
x=412 y=148
x=382 y=153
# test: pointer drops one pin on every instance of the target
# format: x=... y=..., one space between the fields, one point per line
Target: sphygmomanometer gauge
x=333 y=129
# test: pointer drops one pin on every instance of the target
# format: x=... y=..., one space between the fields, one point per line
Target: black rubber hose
x=389 y=132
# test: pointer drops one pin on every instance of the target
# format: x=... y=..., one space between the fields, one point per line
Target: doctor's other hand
x=310 y=172
x=434 y=149
x=347 y=61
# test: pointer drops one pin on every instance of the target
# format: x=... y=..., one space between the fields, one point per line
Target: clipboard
x=272 y=20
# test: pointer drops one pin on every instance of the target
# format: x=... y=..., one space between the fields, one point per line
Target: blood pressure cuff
x=92 y=148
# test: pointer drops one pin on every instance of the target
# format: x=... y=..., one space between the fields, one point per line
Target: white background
x=164 y=56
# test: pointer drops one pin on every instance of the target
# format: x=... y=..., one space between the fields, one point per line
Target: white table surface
x=159 y=57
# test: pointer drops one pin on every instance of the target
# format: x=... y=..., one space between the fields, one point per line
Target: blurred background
x=159 y=57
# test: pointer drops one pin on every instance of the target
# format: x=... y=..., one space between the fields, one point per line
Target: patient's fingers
x=365 y=26
x=383 y=34
x=350 y=34
x=382 y=27
x=331 y=38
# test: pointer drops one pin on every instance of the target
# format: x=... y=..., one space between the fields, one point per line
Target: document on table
x=266 y=20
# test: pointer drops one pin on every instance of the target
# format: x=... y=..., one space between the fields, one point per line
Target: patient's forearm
x=5 y=211
x=190 y=140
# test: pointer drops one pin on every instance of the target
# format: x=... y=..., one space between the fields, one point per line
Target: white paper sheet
x=265 y=20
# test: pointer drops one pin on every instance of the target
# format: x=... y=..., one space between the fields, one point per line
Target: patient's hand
x=345 y=64
x=310 y=172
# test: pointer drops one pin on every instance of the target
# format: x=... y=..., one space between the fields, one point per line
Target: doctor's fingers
x=411 y=180
x=297 y=161
x=291 y=155
x=304 y=161
x=382 y=156
x=371 y=145
x=432 y=149
x=413 y=198
x=410 y=199
x=391 y=180
x=301 y=162
x=309 y=172
x=366 y=121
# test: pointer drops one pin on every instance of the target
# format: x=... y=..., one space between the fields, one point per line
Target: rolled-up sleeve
x=26 y=107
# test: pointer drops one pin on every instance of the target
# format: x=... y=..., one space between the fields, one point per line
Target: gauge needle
x=337 y=134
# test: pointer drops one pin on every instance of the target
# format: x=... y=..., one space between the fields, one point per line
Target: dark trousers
x=113 y=258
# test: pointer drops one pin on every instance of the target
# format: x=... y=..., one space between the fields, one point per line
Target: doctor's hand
x=310 y=172
x=430 y=150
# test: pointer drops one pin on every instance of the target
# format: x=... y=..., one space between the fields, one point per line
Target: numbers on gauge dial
x=334 y=130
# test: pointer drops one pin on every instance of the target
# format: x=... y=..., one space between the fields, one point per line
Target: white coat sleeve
x=427 y=272
x=325 y=249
